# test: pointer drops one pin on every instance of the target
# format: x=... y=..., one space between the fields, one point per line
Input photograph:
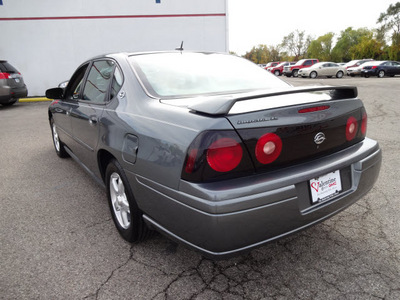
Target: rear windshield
x=5 y=67
x=171 y=75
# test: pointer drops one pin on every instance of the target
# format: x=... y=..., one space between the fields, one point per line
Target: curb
x=34 y=99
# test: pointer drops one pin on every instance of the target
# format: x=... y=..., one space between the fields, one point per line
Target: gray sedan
x=211 y=150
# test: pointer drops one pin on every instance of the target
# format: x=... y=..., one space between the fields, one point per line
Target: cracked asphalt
x=58 y=240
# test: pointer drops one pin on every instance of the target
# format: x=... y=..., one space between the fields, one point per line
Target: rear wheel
x=381 y=74
x=124 y=210
x=58 y=145
x=339 y=74
x=313 y=74
x=277 y=73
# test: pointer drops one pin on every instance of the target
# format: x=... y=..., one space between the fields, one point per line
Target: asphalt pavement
x=57 y=239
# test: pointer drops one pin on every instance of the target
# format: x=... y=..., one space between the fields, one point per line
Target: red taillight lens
x=268 y=148
x=224 y=155
x=374 y=67
x=351 y=128
x=364 y=124
x=4 y=75
x=191 y=160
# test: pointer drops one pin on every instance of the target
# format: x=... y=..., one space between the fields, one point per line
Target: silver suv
x=12 y=86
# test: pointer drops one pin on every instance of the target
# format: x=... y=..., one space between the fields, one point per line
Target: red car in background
x=278 y=69
x=271 y=64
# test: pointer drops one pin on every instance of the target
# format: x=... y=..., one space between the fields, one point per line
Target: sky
x=255 y=22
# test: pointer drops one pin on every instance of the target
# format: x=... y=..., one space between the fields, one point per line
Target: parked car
x=271 y=64
x=328 y=69
x=278 y=69
x=301 y=64
x=381 y=69
x=357 y=62
x=356 y=71
x=221 y=156
x=12 y=86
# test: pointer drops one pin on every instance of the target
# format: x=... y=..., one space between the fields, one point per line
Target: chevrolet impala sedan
x=211 y=150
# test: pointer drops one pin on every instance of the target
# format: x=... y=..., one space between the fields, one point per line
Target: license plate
x=325 y=187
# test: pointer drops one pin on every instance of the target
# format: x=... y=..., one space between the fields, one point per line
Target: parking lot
x=58 y=240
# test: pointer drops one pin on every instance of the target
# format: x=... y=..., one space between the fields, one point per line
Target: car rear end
x=12 y=86
x=292 y=159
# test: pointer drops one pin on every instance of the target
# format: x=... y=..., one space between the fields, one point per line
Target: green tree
x=368 y=47
x=263 y=54
x=390 y=25
x=321 y=48
x=348 y=38
x=296 y=44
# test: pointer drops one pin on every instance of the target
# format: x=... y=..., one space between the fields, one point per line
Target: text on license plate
x=325 y=187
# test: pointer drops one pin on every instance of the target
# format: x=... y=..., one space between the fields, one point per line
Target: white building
x=46 y=40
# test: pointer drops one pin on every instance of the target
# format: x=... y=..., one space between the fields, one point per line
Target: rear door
x=85 y=115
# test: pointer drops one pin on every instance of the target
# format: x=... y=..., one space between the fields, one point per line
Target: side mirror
x=55 y=93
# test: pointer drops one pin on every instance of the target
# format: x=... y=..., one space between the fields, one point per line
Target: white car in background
x=328 y=69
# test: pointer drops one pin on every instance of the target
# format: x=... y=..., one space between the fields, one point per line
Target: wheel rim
x=313 y=75
x=277 y=73
x=339 y=75
x=56 y=139
x=119 y=201
x=381 y=74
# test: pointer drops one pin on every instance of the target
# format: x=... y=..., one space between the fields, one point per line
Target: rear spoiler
x=221 y=105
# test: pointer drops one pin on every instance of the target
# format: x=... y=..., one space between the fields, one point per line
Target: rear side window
x=5 y=67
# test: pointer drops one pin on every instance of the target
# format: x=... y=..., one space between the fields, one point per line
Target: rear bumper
x=8 y=94
x=225 y=218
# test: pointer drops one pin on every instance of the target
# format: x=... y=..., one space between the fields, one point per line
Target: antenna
x=180 y=48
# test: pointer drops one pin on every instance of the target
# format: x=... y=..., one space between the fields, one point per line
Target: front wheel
x=381 y=74
x=126 y=215
x=295 y=73
x=313 y=74
x=277 y=73
x=58 y=145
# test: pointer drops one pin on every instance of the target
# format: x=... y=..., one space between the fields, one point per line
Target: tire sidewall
x=131 y=233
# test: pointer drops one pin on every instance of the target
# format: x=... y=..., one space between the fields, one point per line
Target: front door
x=86 y=114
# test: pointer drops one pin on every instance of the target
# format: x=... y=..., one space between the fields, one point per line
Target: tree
x=368 y=47
x=390 y=25
x=348 y=38
x=321 y=48
x=296 y=44
x=263 y=54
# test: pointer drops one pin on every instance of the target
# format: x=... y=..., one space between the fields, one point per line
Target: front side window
x=74 y=86
x=98 y=81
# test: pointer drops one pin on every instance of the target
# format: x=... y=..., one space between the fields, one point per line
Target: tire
x=339 y=74
x=381 y=74
x=313 y=75
x=277 y=73
x=295 y=73
x=126 y=215
x=58 y=145
x=10 y=103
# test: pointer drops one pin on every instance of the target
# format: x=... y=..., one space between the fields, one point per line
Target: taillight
x=224 y=155
x=374 y=67
x=268 y=148
x=364 y=123
x=214 y=155
x=351 y=128
x=4 y=75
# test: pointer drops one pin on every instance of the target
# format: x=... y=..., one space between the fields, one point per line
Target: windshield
x=171 y=75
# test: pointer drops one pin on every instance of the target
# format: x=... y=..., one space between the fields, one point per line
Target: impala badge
x=319 y=138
